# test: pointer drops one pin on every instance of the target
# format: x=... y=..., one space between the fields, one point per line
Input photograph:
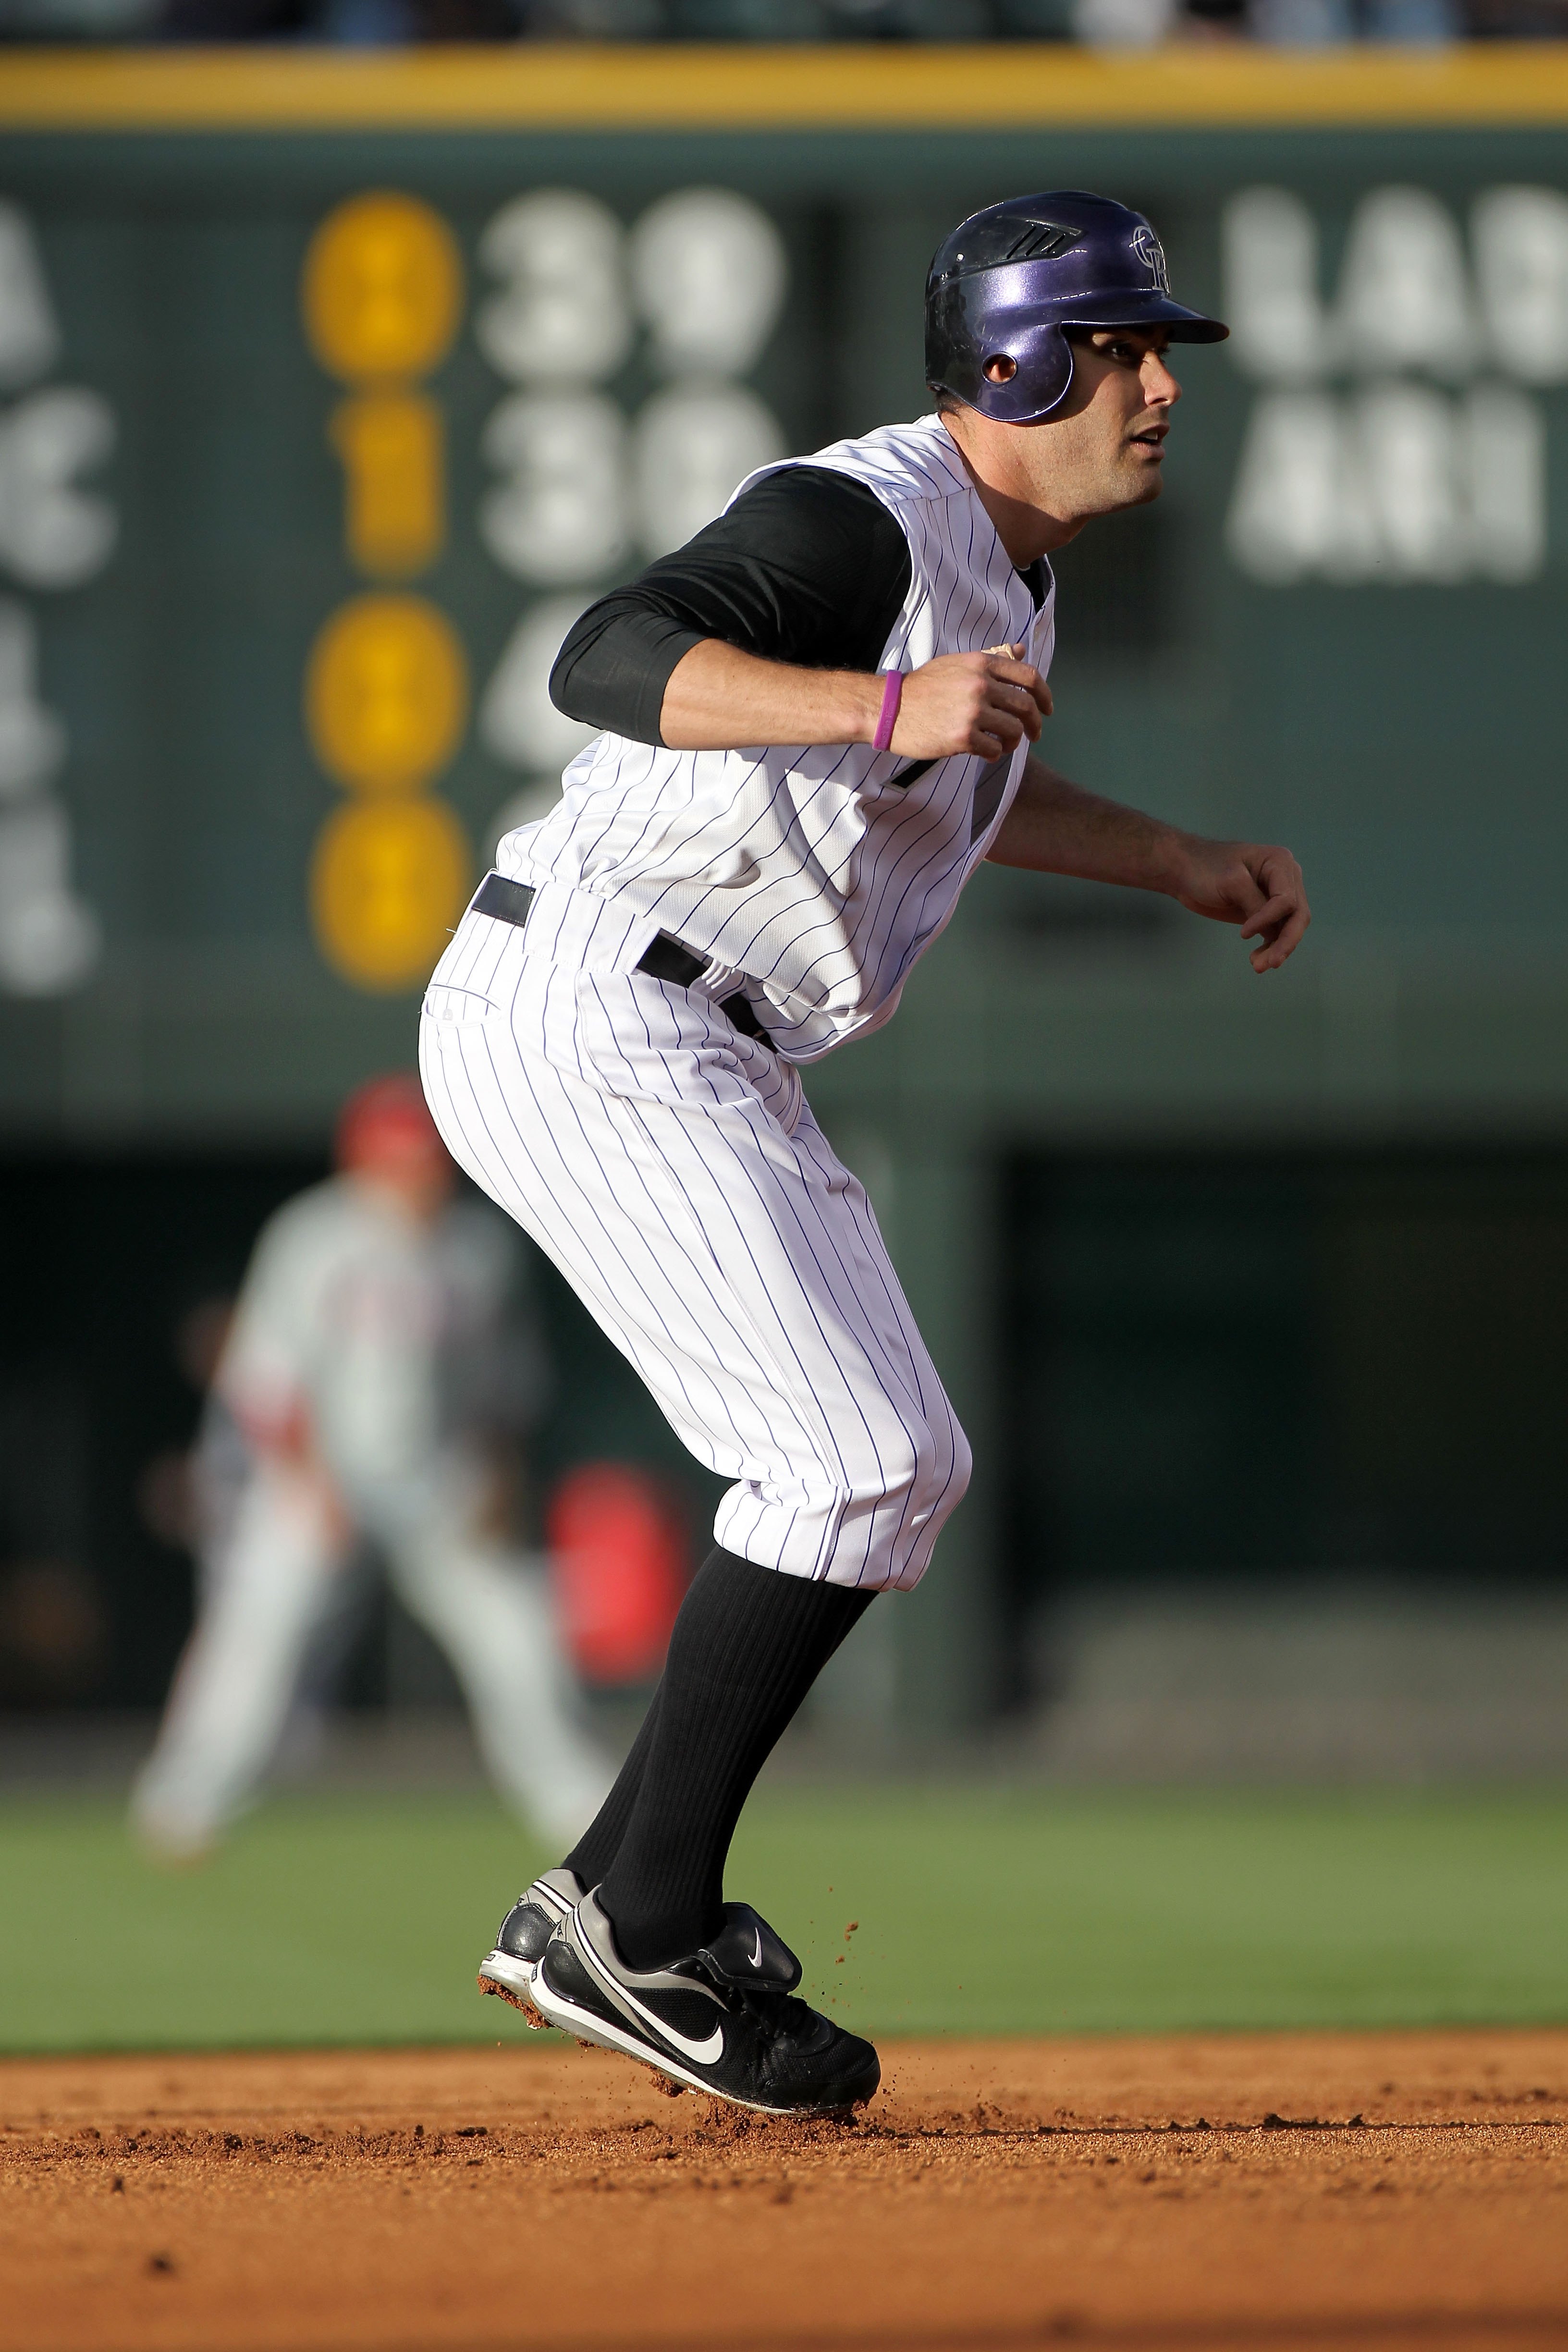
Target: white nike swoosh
x=701 y=2054
x=757 y=1953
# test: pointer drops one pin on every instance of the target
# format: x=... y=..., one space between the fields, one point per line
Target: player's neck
x=1026 y=527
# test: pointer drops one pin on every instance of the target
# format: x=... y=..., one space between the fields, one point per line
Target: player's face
x=1104 y=448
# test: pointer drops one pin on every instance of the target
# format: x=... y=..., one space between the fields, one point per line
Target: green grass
x=979 y=1911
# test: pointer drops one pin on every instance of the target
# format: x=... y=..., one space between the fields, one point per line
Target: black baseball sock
x=747 y=1646
x=600 y=1842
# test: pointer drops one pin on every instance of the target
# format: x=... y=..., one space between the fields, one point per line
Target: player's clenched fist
x=982 y=703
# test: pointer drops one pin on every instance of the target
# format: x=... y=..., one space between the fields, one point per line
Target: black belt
x=663 y=958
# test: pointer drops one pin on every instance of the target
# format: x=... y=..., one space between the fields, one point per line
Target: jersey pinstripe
x=812 y=877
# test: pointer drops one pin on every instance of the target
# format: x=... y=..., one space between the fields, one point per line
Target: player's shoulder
x=905 y=465
x=914 y=462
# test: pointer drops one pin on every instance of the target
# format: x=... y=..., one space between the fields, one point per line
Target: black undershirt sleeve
x=809 y=568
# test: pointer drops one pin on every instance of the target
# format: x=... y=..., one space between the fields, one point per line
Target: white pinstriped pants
x=672 y=1169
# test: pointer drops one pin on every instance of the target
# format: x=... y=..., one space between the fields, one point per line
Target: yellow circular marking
x=382 y=289
x=387 y=884
x=386 y=693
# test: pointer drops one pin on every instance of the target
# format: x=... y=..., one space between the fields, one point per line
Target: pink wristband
x=892 y=694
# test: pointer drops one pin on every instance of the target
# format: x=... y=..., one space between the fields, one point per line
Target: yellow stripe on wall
x=581 y=87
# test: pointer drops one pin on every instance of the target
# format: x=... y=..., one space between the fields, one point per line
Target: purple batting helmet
x=1008 y=279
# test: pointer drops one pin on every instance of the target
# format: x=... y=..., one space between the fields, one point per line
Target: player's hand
x=1241 y=882
x=979 y=703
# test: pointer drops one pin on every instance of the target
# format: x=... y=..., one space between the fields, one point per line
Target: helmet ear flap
x=1021 y=386
x=1029 y=382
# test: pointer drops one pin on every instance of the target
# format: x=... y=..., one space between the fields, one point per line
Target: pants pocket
x=453 y=1008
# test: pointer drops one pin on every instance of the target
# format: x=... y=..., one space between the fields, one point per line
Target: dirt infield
x=1293 y=2191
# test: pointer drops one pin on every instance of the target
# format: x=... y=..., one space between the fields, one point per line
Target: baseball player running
x=373 y=1349
x=817 y=722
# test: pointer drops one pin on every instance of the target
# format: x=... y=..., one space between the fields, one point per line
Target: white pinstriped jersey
x=812 y=877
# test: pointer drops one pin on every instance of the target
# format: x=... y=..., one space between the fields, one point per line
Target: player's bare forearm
x=719 y=699
x=1057 y=828
x=722 y=700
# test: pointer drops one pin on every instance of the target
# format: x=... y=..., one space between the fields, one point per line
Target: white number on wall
x=561 y=513
x=695 y=443
x=518 y=721
x=562 y=315
x=709 y=272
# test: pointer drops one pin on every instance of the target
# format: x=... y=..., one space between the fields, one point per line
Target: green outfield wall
x=333 y=387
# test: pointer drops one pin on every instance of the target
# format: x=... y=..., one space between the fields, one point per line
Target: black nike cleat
x=510 y=1968
x=725 y=2020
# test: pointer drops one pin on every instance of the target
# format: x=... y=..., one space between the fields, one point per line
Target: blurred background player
x=378 y=1350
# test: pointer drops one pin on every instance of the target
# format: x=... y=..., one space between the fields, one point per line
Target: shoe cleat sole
x=512 y=1981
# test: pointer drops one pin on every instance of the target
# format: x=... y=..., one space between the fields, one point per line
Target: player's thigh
x=674 y=1174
